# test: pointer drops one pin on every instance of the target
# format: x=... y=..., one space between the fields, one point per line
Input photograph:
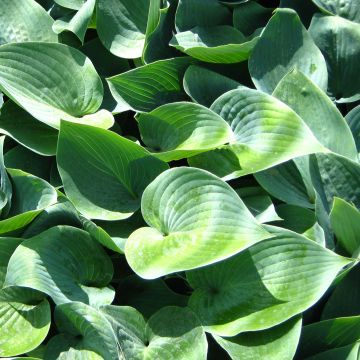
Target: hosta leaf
x=65 y=263
x=285 y=182
x=121 y=26
x=26 y=130
x=77 y=23
x=118 y=168
x=318 y=112
x=334 y=175
x=345 y=221
x=250 y=16
x=264 y=285
x=345 y=299
x=71 y=4
x=171 y=333
x=5 y=184
x=25 y=20
x=31 y=195
x=191 y=13
x=53 y=82
x=266 y=132
x=259 y=203
x=219 y=44
x=347 y=9
x=285 y=44
x=329 y=334
x=149 y=86
x=87 y=329
x=24 y=315
x=205 y=86
x=148 y=296
x=295 y=218
x=339 y=41
x=279 y=342
x=179 y=130
x=353 y=119
x=190 y=226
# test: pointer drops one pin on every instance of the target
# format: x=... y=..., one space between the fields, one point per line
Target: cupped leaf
x=149 y=86
x=318 y=112
x=24 y=314
x=286 y=183
x=266 y=132
x=339 y=41
x=204 y=86
x=118 y=168
x=87 y=332
x=31 y=195
x=345 y=221
x=179 y=130
x=217 y=44
x=65 y=263
x=264 y=285
x=26 y=130
x=121 y=26
x=25 y=20
x=348 y=9
x=329 y=334
x=190 y=224
x=171 y=333
x=53 y=82
x=191 y=13
x=250 y=16
x=77 y=23
x=285 y=44
x=279 y=342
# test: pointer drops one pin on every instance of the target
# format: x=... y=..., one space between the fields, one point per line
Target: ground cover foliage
x=179 y=179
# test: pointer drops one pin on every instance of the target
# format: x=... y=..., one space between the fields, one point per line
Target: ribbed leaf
x=266 y=132
x=264 y=285
x=179 y=130
x=53 y=82
x=147 y=87
x=348 y=9
x=190 y=225
x=118 y=168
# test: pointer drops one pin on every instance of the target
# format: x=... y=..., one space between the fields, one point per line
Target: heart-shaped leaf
x=179 y=130
x=120 y=170
x=65 y=263
x=190 y=226
x=264 y=285
x=53 y=82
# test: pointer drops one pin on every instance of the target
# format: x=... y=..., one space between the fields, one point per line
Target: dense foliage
x=180 y=179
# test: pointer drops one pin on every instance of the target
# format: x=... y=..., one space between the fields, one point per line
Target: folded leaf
x=53 y=82
x=218 y=44
x=266 y=132
x=179 y=130
x=264 y=285
x=118 y=168
x=190 y=226
x=285 y=44
x=64 y=263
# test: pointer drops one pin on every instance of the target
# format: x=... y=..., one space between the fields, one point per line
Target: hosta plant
x=179 y=179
